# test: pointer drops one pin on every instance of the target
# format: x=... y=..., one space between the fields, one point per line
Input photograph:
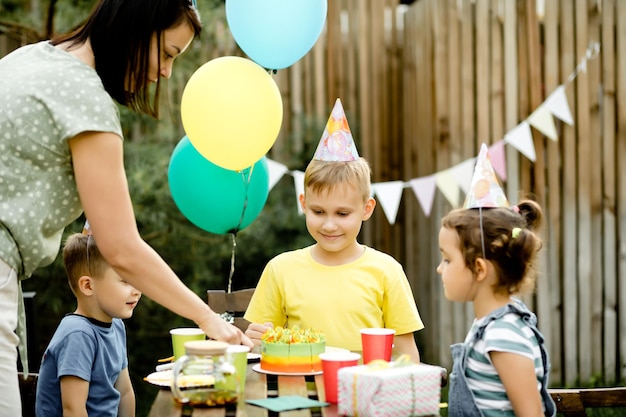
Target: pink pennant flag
x=498 y=159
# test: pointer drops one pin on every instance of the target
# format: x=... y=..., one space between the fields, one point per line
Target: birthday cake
x=292 y=350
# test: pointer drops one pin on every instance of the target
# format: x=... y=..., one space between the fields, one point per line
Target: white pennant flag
x=298 y=182
x=541 y=119
x=424 y=190
x=448 y=186
x=463 y=173
x=389 y=194
x=558 y=105
x=276 y=172
x=521 y=139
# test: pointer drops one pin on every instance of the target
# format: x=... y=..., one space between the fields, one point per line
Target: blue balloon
x=213 y=198
x=276 y=33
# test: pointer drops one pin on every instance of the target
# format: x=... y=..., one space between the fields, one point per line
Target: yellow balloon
x=232 y=111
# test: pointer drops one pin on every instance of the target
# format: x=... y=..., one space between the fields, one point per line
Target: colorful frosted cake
x=292 y=350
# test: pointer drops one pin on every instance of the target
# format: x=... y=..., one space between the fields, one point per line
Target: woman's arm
x=103 y=190
x=404 y=344
x=127 y=395
x=517 y=373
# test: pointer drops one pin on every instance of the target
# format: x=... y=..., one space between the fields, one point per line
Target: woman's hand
x=217 y=328
x=256 y=330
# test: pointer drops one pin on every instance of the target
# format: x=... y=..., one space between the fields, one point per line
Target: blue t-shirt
x=90 y=350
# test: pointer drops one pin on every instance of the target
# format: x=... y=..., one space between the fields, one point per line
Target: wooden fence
x=423 y=86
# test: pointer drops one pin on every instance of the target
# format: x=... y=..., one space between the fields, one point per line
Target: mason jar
x=204 y=376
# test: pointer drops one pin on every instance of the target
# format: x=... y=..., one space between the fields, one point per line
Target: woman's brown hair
x=120 y=32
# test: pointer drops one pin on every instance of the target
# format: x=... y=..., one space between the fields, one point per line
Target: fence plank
x=609 y=223
x=583 y=191
x=483 y=74
x=550 y=320
x=511 y=74
x=570 y=221
x=621 y=177
x=596 y=188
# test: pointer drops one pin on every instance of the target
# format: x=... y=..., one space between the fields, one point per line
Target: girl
x=488 y=255
x=62 y=154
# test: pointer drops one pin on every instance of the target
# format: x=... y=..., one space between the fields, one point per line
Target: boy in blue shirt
x=84 y=370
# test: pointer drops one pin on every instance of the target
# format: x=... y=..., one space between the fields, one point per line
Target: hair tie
x=515 y=209
x=515 y=232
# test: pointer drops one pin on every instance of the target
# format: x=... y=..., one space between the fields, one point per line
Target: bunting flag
x=463 y=174
x=448 y=186
x=498 y=159
x=556 y=103
x=521 y=139
x=456 y=179
x=298 y=182
x=424 y=190
x=389 y=194
x=275 y=172
x=542 y=120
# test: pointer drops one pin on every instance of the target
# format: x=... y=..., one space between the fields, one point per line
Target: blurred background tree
x=201 y=259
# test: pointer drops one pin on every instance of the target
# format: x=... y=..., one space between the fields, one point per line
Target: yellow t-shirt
x=372 y=291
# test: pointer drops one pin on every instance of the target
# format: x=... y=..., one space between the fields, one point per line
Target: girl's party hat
x=336 y=144
x=485 y=189
x=87 y=228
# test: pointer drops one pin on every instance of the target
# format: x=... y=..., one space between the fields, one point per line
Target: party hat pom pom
x=485 y=189
x=337 y=144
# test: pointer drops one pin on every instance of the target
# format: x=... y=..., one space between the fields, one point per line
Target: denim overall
x=461 y=401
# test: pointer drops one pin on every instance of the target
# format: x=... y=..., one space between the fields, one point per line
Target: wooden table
x=257 y=386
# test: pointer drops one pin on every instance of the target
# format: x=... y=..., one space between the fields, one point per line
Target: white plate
x=257 y=368
x=160 y=378
x=164 y=379
x=254 y=357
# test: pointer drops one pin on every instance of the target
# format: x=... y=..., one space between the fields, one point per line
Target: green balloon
x=213 y=198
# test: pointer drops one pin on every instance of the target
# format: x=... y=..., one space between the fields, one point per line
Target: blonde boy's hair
x=77 y=264
x=324 y=176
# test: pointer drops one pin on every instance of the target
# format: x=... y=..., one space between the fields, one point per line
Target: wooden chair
x=235 y=303
x=574 y=402
x=28 y=389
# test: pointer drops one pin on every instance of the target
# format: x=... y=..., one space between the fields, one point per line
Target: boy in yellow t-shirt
x=337 y=285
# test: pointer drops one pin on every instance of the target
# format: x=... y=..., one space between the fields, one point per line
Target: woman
x=61 y=154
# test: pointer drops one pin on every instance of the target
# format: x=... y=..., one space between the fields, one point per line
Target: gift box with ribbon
x=397 y=388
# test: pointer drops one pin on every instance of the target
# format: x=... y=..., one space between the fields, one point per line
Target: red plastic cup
x=377 y=343
x=331 y=363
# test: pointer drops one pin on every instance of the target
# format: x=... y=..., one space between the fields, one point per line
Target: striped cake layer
x=292 y=358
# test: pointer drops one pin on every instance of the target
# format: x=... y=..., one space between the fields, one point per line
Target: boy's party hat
x=336 y=144
x=485 y=189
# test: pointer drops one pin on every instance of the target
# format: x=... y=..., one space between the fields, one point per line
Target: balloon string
x=232 y=262
x=246 y=183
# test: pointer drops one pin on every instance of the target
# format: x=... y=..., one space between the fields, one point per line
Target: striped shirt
x=506 y=334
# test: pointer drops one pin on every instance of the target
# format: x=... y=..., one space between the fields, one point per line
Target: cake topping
x=293 y=335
